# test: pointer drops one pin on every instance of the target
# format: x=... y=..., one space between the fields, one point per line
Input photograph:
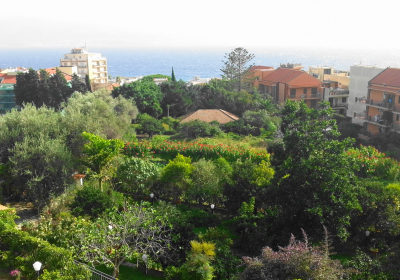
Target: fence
x=97 y=274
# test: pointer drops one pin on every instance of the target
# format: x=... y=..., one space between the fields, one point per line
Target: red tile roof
x=278 y=74
x=382 y=88
x=292 y=77
x=52 y=71
x=259 y=67
x=304 y=80
x=388 y=77
x=8 y=79
x=209 y=115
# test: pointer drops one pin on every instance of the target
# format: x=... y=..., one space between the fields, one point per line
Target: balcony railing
x=304 y=96
x=316 y=95
x=381 y=104
x=339 y=91
x=396 y=126
x=340 y=105
x=360 y=115
x=373 y=119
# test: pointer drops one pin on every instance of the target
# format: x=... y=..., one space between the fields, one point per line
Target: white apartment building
x=92 y=64
x=358 y=91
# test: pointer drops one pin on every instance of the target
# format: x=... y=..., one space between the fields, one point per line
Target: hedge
x=20 y=250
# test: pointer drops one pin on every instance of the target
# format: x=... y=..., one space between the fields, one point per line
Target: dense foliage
x=170 y=150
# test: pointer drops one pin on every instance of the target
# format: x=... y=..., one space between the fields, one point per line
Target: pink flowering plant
x=15 y=273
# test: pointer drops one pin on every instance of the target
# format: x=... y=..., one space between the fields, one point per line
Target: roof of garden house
x=209 y=115
x=388 y=77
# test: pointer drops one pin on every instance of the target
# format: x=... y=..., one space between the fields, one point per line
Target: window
x=314 y=91
x=399 y=99
x=314 y=104
x=293 y=92
x=305 y=91
x=344 y=99
x=397 y=117
x=327 y=71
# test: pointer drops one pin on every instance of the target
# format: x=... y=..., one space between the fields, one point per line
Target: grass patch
x=130 y=273
x=344 y=259
x=199 y=230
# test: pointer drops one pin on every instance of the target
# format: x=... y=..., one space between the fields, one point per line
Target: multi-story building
x=8 y=78
x=336 y=86
x=383 y=103
x=92 y=64
x=358 y=91
x=283 y=83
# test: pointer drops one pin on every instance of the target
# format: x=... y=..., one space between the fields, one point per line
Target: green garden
x=282 y=193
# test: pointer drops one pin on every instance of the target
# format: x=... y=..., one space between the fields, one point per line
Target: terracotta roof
x=389 y=77
x=386 y=89
x=304 y=80
x=278 y=74
x=259 y=67
x=209 y=115
x=286 y=79
x=78 y=176
x=292 y=77
x=7 y=79
x=52 y=71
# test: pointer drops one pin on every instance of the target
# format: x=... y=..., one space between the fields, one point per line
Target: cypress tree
x=173 y=75
x=77 y=84
x=88 y=84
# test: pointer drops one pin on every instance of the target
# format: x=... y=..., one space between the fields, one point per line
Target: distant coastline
x=206 y=64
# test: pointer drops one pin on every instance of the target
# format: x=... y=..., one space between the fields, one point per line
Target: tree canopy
x=236 y=67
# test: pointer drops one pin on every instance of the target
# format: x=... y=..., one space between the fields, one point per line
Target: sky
x=206 y=24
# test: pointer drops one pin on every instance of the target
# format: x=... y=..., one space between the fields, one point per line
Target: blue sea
x=203 y=63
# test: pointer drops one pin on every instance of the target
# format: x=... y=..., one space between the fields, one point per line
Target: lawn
x=132 y=273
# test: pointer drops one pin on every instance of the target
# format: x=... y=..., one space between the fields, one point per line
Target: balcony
x=395 y=126
x=377 y=121
x=380 y=104
x=360 y=116
x=345 y=105
x=339 y=92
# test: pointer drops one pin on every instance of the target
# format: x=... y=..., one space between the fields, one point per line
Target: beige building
x=360 y=76
x=92 y=64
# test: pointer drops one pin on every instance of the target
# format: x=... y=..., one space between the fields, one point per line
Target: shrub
x=136 y=175
x=205 y=183
x=194 y=129
x=197 y=217
x=298 y=260
x=226 y=264
x=90 y=201
x=21 y=250
x=195 y=150
x=197 y=265
x=373 y=163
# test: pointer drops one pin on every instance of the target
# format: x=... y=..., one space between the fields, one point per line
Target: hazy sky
x=206 y=24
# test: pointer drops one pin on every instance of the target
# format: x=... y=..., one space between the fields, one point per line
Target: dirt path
x=25 y=211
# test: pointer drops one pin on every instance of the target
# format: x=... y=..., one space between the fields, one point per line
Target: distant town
x=368 y=95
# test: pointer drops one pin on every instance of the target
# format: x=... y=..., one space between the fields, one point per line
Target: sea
x=207 y=63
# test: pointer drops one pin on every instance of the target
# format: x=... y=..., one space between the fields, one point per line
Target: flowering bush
x=298 y=260
x=195 y=150
x=373 y=163
x=15 y=273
